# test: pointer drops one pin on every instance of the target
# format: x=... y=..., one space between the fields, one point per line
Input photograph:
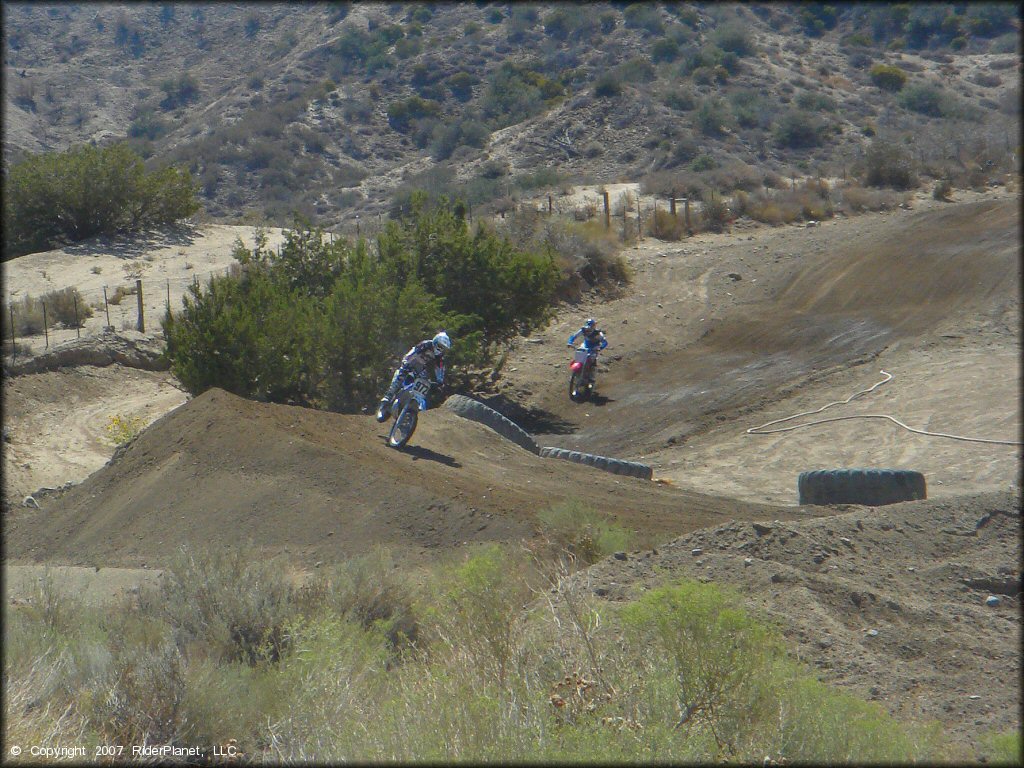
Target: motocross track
x=717 y=334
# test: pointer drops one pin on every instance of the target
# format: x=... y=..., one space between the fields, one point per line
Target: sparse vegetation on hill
x=326 y=105
x=89 y=191
x=230 y=647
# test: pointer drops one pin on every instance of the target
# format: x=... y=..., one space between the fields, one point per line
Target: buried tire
x=474 y=410
x=615 y=466
x=871 y=487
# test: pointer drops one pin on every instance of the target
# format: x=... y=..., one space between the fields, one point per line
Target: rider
x=593 y=337
x=416 y=361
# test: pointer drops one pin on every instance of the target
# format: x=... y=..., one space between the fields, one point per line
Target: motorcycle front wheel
x=577 y=390
x=404 y=426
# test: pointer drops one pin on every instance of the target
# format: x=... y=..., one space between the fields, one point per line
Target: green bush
x=933 y=101
x=733 y=38
x=751 y=108
x=664 y=50
x=89 y=191
x=179 y=91
x=402 y=114
x=888 y=77
x=888 y=165
x=585 y=534
x=735 y=691
x=517 y=91
x=816 y=102
x=608 y=85
x=461 y=85
x=713 y=117
x=798 y=129
x=644 y=16
x=666 y=226
x=321 y=322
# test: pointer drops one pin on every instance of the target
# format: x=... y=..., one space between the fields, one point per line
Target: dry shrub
x=141 y=699
x=28 y=317
x=812 y=203
x=855 y=199
x=26 y=719
x=232 y=600
x=714 y=216
x=370 y=590
x=120 y=292
x=68 y=307
x=942 y=190
x=666 y=226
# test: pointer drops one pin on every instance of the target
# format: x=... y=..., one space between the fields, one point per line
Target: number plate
x=581 y=356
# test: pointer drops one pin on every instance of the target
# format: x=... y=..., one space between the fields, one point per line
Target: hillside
x=337 y=109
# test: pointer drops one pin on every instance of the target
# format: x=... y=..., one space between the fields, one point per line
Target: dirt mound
x=891 y=602
x=322 y=486
x=127 y=348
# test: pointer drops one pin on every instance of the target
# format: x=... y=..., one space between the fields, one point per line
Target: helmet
x=590 y=323
x=441 y=343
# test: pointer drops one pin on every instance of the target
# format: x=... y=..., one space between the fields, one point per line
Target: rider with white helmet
x=427 y=353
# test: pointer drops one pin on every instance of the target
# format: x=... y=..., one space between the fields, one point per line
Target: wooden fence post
x=106 y=306
x=78 y=328
x=46 y=333
x=639 y=220
x=142 y=318
x=686 y=215
x=168 y=294
x=549 y=205
x=607 y=211
x=672 y=203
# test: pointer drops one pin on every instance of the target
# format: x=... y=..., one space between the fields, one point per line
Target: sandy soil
x=722 y=333
x=57 y=421
x=166 y=261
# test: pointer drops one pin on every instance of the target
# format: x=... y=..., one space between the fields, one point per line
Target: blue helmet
x=591 y=322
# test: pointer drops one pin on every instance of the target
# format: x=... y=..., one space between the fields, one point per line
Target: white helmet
x=442 y=343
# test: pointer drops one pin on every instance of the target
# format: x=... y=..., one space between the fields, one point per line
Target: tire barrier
x=474 y=410
x=871 y=487
x=615 y=466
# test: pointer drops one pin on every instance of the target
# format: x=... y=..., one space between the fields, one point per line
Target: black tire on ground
x=615 y=466
x=474 y=410
x=871 y=487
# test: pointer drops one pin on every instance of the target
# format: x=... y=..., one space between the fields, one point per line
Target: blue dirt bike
x=405 y=407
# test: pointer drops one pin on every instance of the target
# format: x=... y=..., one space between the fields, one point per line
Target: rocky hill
x=338 y=109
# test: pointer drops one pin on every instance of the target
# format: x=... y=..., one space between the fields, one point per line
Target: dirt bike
x=405 y=408
x=584 y=371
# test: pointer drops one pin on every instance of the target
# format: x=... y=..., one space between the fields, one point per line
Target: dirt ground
x=716 y=335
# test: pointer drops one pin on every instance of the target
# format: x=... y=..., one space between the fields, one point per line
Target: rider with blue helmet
x=593 y=337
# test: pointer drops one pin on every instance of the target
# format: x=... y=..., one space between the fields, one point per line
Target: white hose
x=761 y=430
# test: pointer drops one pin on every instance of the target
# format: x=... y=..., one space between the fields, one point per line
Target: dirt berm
x=323 y=486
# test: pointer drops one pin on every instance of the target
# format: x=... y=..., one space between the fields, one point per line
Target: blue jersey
x=593 y=338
